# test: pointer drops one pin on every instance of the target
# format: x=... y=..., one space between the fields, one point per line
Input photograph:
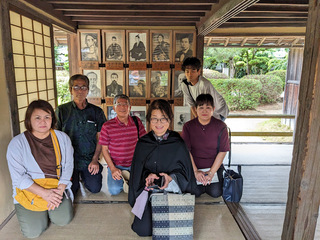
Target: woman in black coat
x=160 y=153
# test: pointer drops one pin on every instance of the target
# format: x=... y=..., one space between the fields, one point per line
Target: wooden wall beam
x=304 y=194
x=222 y=12
x=73 y=53
x=136 y=2
x=200 y=48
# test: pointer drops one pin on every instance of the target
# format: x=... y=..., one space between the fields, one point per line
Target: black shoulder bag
x=137 y=124
x=232 y=187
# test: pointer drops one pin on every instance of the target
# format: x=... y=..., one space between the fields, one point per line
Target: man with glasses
x=82 y=121
x=118 y=139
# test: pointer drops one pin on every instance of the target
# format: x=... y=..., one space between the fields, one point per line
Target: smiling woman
x=160 y=153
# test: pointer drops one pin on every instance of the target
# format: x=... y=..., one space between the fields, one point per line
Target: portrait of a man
x=178 y=78
x=181 y=116
x=137 y=47
x=184 y=46
x=114 y=50
x=159 y=84
x=89 y=47
x=137 y=83
x=114 y=83
x=94 y=82
x=161 y=47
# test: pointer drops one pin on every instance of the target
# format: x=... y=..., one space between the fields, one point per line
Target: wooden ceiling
x=250 y=13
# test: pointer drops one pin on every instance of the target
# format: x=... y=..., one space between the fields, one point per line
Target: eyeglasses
x=121 y=105
x=156 y=120
x=77 y=88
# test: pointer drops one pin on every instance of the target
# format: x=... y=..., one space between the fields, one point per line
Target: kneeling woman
x=161 y=152
x=40 y=162
x=201 y=136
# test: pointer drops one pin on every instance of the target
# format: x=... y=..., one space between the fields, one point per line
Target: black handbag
x=232 y=187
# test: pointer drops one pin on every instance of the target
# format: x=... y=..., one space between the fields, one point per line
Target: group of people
x=58 y=148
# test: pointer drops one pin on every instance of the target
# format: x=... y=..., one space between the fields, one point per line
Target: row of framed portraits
x=182 y=114
x=136 y=45
x=134 y=83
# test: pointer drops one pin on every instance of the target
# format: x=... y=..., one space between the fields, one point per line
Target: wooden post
x=200 y=46
x=304 y=194
x=73 y=53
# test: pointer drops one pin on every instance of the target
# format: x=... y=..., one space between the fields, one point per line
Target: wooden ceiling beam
x=222 y=12
x=277 y=8
x=261 y=25
x=269 y=34
x=285 y=1
x=261 y=41
x=226 y=42
x=112 y=23
x=295 y=41
x=266 y=20
x=117 y=14
x=135 y=2
x=175 y=8
x=246 y=14
x=208 y=42
x=243 y=42
x=133 y=19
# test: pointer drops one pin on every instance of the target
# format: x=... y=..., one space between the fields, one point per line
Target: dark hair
x=39 y=104
x=93 y=35
x=204 y=99
x=120 y=96
x=137 y=36
x=183 y=36
x=114 y=74
x=78 y=77
x=114 y=37
x=163 y=106
x=160 y=34
x=192 y=62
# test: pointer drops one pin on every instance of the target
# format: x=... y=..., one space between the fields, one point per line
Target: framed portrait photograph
x=111 y=113
x=159 y=84
x=182 y=114
x=140 y=112
x=115 y=82
x=89 y=45
x=137 y=42
x=161 y=46
x=94 y=83
x=113 y=45
x=184 y=45
x=176 y=88
x=137 y=83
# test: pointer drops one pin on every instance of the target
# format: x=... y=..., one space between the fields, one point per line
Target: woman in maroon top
x=201 y=135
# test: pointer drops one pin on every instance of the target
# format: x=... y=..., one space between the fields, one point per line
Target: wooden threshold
x=244 y=223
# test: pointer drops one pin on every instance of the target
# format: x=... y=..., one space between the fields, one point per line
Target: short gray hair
x=120 y=96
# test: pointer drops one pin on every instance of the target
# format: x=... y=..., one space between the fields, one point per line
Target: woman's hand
x=209 y=175
x=53 y=197
x=200 y=176
x=167 y=180
x=150 y=179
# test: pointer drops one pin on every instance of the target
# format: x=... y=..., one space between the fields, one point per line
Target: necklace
x=203 y=127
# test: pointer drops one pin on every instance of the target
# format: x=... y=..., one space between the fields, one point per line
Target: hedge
x=212 y=74
x=240 y=94
x=281 y=74
x=271 y=87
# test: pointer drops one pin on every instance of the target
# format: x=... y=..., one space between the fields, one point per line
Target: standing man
x=118 y=138
x=185 y=51
x=82 y=121
x=194 y=85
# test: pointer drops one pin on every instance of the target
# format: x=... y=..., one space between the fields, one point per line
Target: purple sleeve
x=224 y=141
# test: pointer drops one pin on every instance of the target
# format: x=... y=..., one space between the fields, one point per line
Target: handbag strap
x=218 y=147
x=137 y=124
x=56 y=151
x=187 y=83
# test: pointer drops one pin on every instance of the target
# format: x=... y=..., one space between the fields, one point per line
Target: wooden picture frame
x=137 y=84
x=178 y=76
x=141 y=112
x=137 y=46
x=159 y=84
x=114 y=82
x=95 y=83
x=160 y=46
x=182 y=114
x=184 y=45
x=89 y=48
x=113 y=42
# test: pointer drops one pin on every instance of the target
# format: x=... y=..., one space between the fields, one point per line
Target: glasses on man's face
x=156 y=120
x=78 y=88
x=121 y=105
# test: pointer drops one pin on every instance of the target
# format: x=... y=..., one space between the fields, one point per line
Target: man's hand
x=93 y=167
x=116 y=173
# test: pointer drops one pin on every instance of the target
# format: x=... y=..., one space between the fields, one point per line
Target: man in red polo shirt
x=118 y=138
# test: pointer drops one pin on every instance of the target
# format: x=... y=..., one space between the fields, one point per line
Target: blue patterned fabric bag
x=172 y=216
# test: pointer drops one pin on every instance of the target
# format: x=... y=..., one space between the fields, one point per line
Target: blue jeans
x=116 y=186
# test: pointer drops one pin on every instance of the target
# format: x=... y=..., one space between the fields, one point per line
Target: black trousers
x=143 y=227
x=213 y=189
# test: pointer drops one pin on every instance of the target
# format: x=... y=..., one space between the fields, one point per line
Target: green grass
x=274 y=125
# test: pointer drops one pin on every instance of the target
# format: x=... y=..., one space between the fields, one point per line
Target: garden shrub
x=240 y=94
x=281 y=74
x=212 y=74
x=271 y=87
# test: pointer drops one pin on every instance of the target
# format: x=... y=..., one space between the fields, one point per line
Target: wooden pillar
x=73 y=53
x=304 y=194
x=200 y=48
